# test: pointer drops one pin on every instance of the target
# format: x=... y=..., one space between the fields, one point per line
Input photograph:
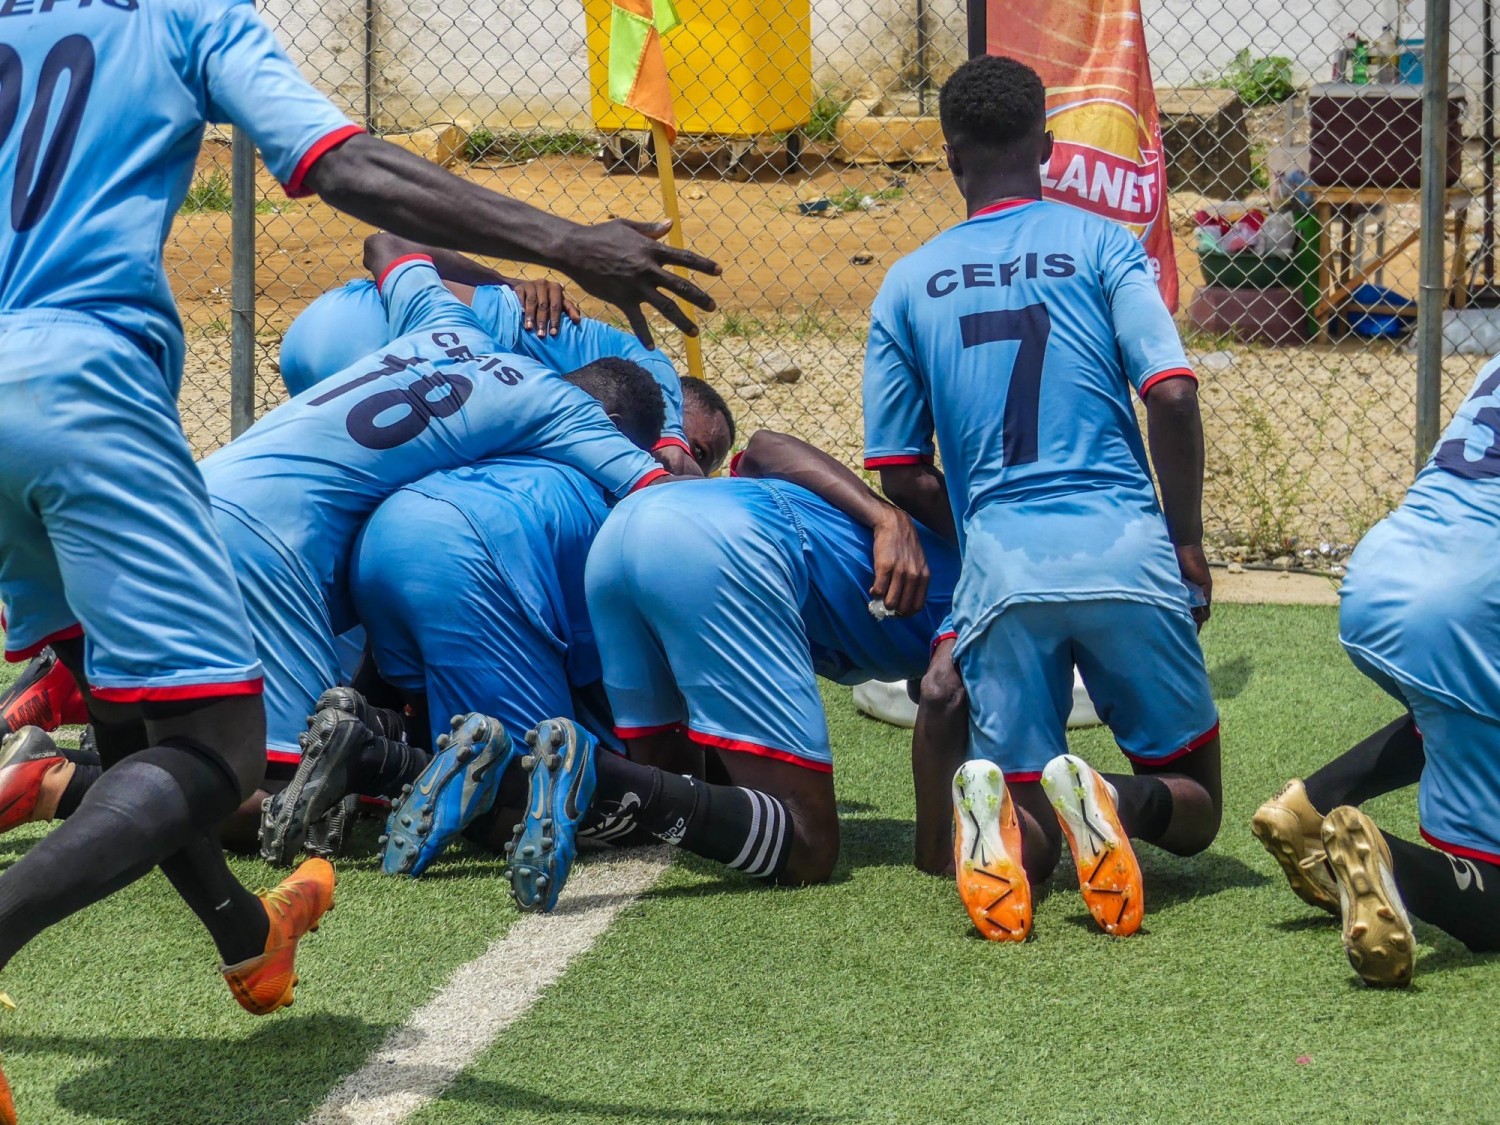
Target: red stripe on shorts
x=719 y=742
x=175 y=692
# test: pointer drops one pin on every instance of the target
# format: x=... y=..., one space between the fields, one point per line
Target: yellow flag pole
x=674 y=236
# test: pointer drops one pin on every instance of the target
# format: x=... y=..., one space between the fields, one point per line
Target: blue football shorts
x=1140 y=663
x=698 y=615
x=105 y=529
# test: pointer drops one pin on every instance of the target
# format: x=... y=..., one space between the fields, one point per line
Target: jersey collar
x=1003 y=205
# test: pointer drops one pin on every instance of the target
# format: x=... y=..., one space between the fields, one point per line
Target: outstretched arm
x=1174 y=428
x=620 y=261
x=901 y=573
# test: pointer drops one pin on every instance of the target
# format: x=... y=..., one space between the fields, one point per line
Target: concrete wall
x=523 y=62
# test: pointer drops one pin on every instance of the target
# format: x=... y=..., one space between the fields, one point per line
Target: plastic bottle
x=1360 y=75
x=1387 y=56
x=1346 y=57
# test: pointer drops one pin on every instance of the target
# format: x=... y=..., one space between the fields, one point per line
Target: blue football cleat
x=459 y=784
x=561 y=763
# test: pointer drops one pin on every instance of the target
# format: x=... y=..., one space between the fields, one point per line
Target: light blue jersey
x=347 y=323
x=1422 y=597
x=308 y=475
x=1016 y=339
x=102 y=108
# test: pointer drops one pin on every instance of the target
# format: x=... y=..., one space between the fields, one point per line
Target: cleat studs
x=456 y=722
x=442 y=741
x=531 y=738
x=553 y=761
x=547 y=824
x=383 y=841
x=547 y=842
x=528 y=762
x=465 y=755
x=406 y=822
x=1358 y=930
x=406 y=791
x=528 y=851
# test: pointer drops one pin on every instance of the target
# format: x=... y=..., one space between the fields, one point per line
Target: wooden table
x=1339 y=274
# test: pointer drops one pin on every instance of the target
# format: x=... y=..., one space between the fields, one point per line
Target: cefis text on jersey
x=989 y=275
x=42 y=7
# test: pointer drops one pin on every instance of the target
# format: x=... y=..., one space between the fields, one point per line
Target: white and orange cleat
x=987 y=853
x=1108 y=873
x=295 y=907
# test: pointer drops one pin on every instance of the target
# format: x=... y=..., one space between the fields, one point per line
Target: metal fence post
x=1432 y=285
x=242 y=285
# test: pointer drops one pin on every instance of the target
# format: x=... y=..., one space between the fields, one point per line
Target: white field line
x=490 y=993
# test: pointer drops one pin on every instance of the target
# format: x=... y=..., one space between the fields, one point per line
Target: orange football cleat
x=1108 y=873
x=265 y=983
x=7 y=1103
x=987 y=853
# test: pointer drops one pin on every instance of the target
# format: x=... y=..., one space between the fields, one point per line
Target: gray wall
x=525 y=62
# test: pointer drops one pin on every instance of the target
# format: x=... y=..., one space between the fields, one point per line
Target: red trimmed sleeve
x=734 y=463
x=401 y=261
x=1163 y=376
x=295 y=188
x=653 y=475
x=897 y=459
x=670 y=440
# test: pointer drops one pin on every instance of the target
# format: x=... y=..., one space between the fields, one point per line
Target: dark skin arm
x=543 y=303
x=901 y=573
x=1174 y=429
x=619 y=261
x=921 y=492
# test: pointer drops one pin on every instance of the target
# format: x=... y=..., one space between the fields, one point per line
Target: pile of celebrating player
x=473 y=573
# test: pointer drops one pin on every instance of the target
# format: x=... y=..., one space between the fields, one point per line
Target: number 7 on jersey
x=1023 y=400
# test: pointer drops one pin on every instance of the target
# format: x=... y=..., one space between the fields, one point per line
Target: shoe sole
x=538 y=869
x=991 y=881
x=283 y=836
x=1280 y=834
x=21 y=782
x=1377 y=933
x=409 y=847
x=1109 y=875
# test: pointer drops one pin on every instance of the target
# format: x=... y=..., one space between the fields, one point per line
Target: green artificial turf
x=868 y=1000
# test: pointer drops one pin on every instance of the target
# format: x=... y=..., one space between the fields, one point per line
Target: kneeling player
x=1419 y=615
x=716 y=605
x=502 y=628
x=1016 y=339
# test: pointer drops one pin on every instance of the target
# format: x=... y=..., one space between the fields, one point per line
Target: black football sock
x=85 y=774
x=1144 y=804
x=384 y=765
x=1461 y=896
x=1392 y=758
x=140 y=812
x=234 y=917
x=745 y=829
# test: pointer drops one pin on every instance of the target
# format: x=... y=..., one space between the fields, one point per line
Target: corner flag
x=637 y=67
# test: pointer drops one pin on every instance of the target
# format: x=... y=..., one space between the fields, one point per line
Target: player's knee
x=814 y=852
x=943 y=692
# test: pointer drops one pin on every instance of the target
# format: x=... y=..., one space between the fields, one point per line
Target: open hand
x=624 y=262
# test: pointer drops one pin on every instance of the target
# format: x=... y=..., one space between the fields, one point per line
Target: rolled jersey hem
x=1140 y=597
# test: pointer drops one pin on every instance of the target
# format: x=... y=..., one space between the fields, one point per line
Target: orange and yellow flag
x=637 y=67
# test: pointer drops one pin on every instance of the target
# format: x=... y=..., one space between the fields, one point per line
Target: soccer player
x=348 y=323
x=1419 y=614
x=1016 y=337
x=103 y=111
x=716 y=605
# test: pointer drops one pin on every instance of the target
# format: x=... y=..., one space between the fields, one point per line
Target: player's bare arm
x=920 y=492
x=901 y=573
x=543 y=303
x=1174 y=428
x=620 y=261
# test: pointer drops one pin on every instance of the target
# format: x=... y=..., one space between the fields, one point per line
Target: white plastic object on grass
x=889 y=703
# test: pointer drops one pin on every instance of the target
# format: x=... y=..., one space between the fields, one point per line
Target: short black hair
x=628 y=394
x=992 y=101
x=708 y=400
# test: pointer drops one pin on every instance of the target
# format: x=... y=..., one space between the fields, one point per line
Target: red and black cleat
x=26 y=756
x=45 y=695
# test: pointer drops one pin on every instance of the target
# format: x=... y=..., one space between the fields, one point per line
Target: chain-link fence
x=810 y=160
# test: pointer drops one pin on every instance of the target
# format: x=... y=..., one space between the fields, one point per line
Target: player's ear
x=1047 y=148
x=953 y=162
